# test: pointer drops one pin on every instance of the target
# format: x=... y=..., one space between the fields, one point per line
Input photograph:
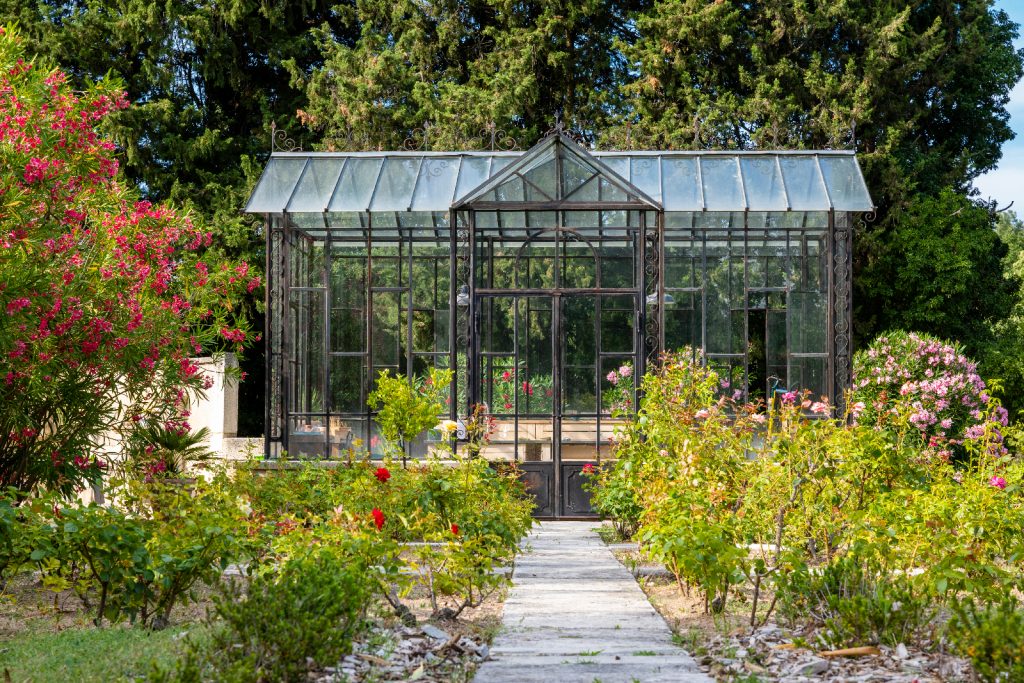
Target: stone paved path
x=576 y=614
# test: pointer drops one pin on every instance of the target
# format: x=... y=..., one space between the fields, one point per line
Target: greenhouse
x=548 y=280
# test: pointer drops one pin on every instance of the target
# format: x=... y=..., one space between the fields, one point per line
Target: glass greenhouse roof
x=317 y=182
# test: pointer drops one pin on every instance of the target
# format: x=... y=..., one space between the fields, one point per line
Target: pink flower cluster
x=931 y=382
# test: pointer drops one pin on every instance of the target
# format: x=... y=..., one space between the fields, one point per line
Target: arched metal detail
x=558 y=231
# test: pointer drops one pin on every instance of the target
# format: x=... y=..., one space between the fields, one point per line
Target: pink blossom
x=820 y=408
x=612 y=377
x=998 y=482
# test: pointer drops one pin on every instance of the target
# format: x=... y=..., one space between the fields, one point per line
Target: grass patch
x=645 y=653
x=90 y=654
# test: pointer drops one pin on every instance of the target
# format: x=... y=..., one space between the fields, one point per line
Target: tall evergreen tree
x=449 y=69
x=919 y=89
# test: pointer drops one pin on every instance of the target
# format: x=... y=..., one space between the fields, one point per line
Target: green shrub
x=305 y=613
x=855 y=602
x=992 y=637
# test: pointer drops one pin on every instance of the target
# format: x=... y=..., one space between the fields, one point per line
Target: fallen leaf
x=851 y=652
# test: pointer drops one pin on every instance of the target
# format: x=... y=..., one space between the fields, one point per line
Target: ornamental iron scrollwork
x=280 y=140
x=560 y=129
x=652 y=278
x=490 y=138
x=842 y=296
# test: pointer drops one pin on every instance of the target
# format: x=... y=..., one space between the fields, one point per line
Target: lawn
x=85 y=654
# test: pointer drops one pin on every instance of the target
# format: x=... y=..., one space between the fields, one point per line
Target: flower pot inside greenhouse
x=548 y=280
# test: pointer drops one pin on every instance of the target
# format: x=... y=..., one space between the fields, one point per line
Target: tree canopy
x=919 y=89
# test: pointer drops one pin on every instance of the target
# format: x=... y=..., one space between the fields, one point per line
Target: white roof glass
x=679 y=181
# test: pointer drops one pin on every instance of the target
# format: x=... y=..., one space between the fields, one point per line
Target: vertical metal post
x=286 y=374
x=268 y=342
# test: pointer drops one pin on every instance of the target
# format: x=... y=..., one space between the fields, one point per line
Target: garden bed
x=48 y=637
x=728 y=648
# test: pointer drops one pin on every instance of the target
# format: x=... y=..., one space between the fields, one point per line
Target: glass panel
x=472 y=173
x=307 y=343
x=307 y=437
x=618 y=164
x=509 y=191
x=347 y=381
x=721 y=179
x=356 y=185
x=617 y=267
x=725 y=295
x=682 y=192
x=535 y=349
x=435 y=189
x=579 y=381
x=803 y=183
x=275 y=185
x=682 y=262
x=617 y=318
x=808 y=372
x=645 y=175
x=313 y=192
x=845 y=184
x=807 y=322
x=544 y=177
x=611 y=192
x=579 y=263
x=348 y=438
x=763 y=183
x=612 y=386
x=387 y=330
x=575 y=172
x=683 y=321
x=388 y=264
x=396 y=183
x=535 y=266
x=348 y=298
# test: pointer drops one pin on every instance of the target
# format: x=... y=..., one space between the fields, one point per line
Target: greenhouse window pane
x=763 y=183
x=472 y=173
x=544 y=177
x=645 y=175
x=804 y=183
x=396 y=184
x=316 y=185
x=682 y=192
x=618 y=164
x=275 y=185
x=845 y=184
x=356 y=184
x=435 y=188
x=721 y=179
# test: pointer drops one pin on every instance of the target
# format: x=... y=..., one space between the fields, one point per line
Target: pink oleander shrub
x=916 y=381
x=103 y=297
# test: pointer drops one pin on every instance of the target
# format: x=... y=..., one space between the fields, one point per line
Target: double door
x=549 y=366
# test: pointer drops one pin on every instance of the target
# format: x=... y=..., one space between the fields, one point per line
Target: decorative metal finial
x=280 y=142
x=560 y=129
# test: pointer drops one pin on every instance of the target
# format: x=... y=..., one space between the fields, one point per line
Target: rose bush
x=791 y=504
x=908 y=377
x=103 y=296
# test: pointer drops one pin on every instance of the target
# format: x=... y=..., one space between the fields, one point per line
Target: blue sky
x=1006 y=183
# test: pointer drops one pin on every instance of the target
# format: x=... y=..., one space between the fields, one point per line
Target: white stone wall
x=217 y=410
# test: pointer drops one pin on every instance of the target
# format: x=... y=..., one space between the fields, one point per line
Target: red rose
x=455 y=529
x=588 y=468
x=378 y=518
x=382 y=474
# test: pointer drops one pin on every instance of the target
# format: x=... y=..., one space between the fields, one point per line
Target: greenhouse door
x=539 y=372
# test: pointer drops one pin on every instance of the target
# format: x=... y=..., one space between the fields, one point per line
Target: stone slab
x=575 y=614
